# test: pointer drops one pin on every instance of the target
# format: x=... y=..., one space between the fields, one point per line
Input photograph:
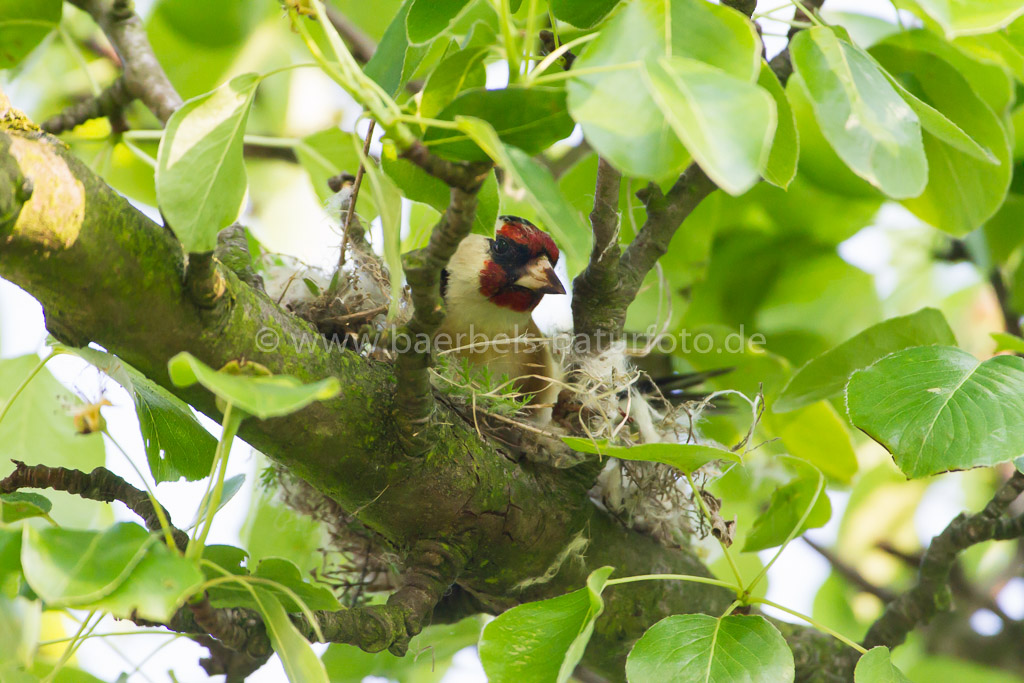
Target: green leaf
x=200 y=176
x=156 y=587
x=23 y=25
x=419 y=186
x=10 y=561
x=460 y=71
x=67 y=567
x=436 y=646
x=177 y=445
x=582 y=13
x=862 y=116
x=619 y=116
x=595 y=586
x=558 y=215
x=967 y=17
x=938 y=408
x=528 y=118
x=326 y=154
x=428 y=18
x=394 y=60
x=788 y=506
x=825 y=376
x=781 y=167
x=283 y=572
x=990 y=81
x=300 y=662
x=817 y=434
x=967 y=179
x=211 y=24
x=932 y=120
x=275 y=530
x=23 y=505
x=1008 y=342
x=20 y=625
x=38 y=430
x=687 y=457
x=875 y=666
x=231 y=486
x=543 y=641
x=263 y=396
x=726 y=123
x=686 y=648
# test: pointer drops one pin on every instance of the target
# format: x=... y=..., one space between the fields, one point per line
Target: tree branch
x=101 y=484
x=414 y=397
x=110 y=103
x=666 y=212
x=599 y=281
x=931 y=593
x=849 y=573
x=144 y=77
x=463 y=175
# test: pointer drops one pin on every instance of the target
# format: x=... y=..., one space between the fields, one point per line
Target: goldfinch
x=490 y=289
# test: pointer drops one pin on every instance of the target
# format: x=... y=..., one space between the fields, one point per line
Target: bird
x=490 y=288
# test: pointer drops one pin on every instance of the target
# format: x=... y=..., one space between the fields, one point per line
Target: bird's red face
x=520 y=268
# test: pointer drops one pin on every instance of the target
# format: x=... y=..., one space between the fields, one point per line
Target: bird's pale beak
x=540 y=277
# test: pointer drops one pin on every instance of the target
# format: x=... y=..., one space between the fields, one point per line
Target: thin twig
x=110 y=103
x=849 y=573
x=931 y=592
x=144 y=77
x=355 y=194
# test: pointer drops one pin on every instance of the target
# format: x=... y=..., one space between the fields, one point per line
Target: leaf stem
x=511 y=48
x=165 y=525
x=585 y=71
x=230 y=425
x=807 y=12
x=816 y=624
x=72 y=646
x=676 y=577
x=21 y=387
x=793 y=532
x=555 y=54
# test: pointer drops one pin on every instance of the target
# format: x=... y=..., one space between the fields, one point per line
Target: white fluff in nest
x=650 y=497
x=284 y=279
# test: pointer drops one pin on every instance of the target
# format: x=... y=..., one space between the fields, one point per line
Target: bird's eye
x=500 y=245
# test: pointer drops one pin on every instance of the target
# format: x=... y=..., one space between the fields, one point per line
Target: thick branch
x=143 y=75
x=111 y=102
x=414 y=398
x=931 y=594
x=599 y=281
x=101 y=484
x=665 y=213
